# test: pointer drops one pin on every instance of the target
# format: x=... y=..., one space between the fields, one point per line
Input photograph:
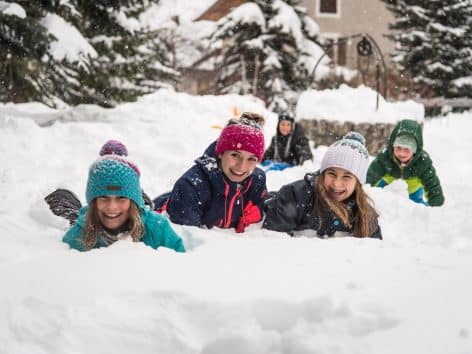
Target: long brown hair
x=363 y=221
x=93 y=227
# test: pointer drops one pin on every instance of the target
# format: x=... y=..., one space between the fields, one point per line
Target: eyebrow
x=330 y=169
x=240 y=151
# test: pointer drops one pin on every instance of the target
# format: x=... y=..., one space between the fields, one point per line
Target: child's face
x=113 y=211
x=237 y=165
x=285 y=127
x=402 y=154
x=339 y=183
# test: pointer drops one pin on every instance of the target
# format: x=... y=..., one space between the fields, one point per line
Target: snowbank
x=356 y=105
x=259 y=292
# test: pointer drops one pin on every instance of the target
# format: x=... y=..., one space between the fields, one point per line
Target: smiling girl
x=116 y=210
x=224 y=188
x=331 y=201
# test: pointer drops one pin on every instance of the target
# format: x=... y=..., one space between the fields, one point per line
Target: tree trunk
x=243 y=73
x=255 y=79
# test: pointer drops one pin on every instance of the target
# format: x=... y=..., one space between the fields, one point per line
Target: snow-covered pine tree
x=24 y=45
x=131 y=60
x=267 y=49
x=434 y=44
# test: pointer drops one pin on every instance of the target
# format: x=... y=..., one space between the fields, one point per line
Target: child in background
x=405 y=158
x=289 y=147
x=331 y=201
x=116 y=210
x=224 y=188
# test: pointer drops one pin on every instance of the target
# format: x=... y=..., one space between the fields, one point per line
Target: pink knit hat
x=241 y=137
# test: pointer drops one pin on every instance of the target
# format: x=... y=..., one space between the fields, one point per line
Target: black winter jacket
x=292 y=209
x=203 y=196
x=298 y=150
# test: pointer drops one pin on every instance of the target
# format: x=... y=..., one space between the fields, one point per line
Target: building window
x=328 y=7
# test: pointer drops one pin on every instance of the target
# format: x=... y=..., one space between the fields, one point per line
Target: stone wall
x=325 y=132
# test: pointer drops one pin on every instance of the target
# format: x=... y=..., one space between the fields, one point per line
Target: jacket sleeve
x=269 y=153
x=431 y=183
x=302 y=151
x=74 y=235
x=377 y=233
x=375 y=172
x=281 y=210
x=161 y=233
x=184 y=206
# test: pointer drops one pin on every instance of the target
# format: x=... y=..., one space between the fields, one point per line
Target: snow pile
x=259 y=292
x=355 y=105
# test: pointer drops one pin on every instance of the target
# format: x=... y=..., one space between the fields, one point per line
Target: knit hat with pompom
x=348 y=153
x=112 y=175
x=241 y=137
x=114 y=147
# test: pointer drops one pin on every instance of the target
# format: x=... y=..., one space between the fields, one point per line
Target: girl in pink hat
x=224 y=188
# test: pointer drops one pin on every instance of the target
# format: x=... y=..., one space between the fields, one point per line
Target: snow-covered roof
x=219 y=9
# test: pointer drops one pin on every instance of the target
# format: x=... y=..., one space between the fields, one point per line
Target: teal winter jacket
x=157 y=232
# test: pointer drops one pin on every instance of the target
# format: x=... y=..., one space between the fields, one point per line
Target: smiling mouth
x=337 y=193
x=239 y=174
x=111 y=217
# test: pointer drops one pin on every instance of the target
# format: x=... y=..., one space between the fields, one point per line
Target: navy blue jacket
x=292 y=209
x=203 y=196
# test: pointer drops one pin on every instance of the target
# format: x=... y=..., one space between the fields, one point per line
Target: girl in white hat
x=331 y=201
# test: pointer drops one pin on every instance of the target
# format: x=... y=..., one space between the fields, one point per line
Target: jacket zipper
x=231 y=205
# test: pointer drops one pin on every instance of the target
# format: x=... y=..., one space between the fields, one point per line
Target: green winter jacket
x=420 y=175
x=157 y=232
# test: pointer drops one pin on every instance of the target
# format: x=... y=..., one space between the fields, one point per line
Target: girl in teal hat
x=115 y=210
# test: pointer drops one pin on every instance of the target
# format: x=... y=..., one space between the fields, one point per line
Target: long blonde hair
x=93 y=227
x=363 y=221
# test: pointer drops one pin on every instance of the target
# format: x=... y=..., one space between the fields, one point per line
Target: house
x=337 y=19
x=344 y=18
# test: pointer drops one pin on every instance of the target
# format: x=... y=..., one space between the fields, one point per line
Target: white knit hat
x=348 y=153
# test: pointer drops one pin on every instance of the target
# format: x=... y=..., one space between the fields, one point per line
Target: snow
x=12 y=9
x=70 y=43
x=463 y=81
x=458 y=32
x=257 y=292
x=129 y=23
x=437 y=66
x=356 y=105
x=244 y=14
x=189 y=36
x=287 y=20
x=157 y=14
x=311 y=26
x=314 y=52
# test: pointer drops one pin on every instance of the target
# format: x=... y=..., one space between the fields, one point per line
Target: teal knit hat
x=114 y=175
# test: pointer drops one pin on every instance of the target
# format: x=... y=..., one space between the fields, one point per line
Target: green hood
x=407 y=126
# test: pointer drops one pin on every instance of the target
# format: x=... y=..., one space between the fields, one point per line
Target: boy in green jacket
x=405 y=158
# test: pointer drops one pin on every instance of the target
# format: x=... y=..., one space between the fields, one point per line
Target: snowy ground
x=260 y=292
